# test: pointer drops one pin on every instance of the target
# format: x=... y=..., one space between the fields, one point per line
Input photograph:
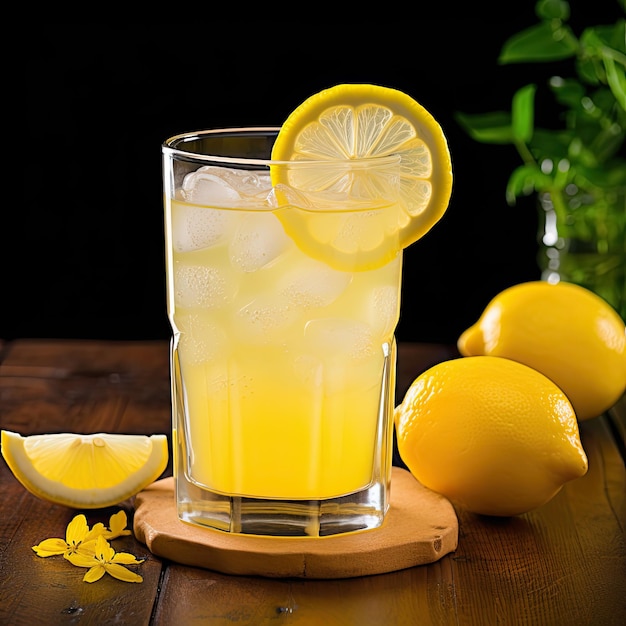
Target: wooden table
x=563 y=564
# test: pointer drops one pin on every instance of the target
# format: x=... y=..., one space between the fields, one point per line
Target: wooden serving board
x=420 y=528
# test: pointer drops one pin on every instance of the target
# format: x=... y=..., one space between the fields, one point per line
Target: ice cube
x=308 y=370
x=228 y=186
x=202 y=287
x=259 y=240
x=209 y=188
x=313 y=284
x=201 y=339
x=340 y=337
x=249 y=184
x=221 y=191
x=382 y=309
x=194 y=228
x=264 y=320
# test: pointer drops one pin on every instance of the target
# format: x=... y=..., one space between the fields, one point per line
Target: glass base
x=286 y=518
x=359 y=510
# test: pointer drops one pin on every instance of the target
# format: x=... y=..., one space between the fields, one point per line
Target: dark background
x=82 y=229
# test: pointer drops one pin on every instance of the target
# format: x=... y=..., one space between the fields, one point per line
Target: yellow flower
x=78 y=539
x=117 y=526
x=89 y=548
x=106 y=560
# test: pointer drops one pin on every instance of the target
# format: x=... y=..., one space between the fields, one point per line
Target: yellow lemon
x=562 y=330
x=347 y=147
x=85 y=471
x=494 y=436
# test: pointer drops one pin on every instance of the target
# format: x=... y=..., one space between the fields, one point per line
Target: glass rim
x=171 y=147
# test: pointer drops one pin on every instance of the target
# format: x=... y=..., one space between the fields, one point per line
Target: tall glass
x=283 y=353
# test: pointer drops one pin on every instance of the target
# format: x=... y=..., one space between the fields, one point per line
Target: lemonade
x=284 y=264
x=281 y=358
x=283 y=365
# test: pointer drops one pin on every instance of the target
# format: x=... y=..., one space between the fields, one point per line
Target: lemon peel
x=494 y=436
x=564 y=331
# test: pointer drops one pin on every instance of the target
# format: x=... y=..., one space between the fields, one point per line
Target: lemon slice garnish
x=347 y=124
x=85 y=471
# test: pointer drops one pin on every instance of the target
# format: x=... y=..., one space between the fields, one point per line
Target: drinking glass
x=283 y=354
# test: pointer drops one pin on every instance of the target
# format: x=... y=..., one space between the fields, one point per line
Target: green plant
x=576 y=163
x=585 y=150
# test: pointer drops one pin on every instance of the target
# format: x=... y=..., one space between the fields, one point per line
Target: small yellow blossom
x=78 y=539
x=89 y=548
x=106 y=560
x=117 y=526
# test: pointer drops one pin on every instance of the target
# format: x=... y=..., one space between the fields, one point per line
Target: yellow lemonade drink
x=284 y=260
x=281 y=356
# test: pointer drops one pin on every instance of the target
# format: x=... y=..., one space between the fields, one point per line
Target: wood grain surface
x=563 y=564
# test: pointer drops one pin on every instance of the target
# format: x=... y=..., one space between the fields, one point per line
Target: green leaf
x=592 y=42
x=523 y=113
x=613 y=35
x=584 y=142
x=611 y=177
x=616 y=80
x=551 y=144
x=492 y=127
x=525 y=180
x=568 y=92
x=607 y=143
x=603 y=53
x=540 y=43
x=553 y=10
x=604 y=99
x=590 y=70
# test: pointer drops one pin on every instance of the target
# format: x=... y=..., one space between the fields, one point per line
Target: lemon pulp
x=85 y=471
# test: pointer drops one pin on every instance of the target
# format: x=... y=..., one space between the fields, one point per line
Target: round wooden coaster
x=420 y=528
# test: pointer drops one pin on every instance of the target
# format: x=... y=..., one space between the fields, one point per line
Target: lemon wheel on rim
x=351 y=122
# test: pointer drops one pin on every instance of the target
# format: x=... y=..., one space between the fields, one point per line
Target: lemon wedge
x=85 y=471
x=351 y=124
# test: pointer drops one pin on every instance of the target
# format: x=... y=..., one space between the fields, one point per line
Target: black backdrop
x=82 y=229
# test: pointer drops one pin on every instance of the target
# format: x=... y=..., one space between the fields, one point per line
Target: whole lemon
x=562 y=330
x=494 y=436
